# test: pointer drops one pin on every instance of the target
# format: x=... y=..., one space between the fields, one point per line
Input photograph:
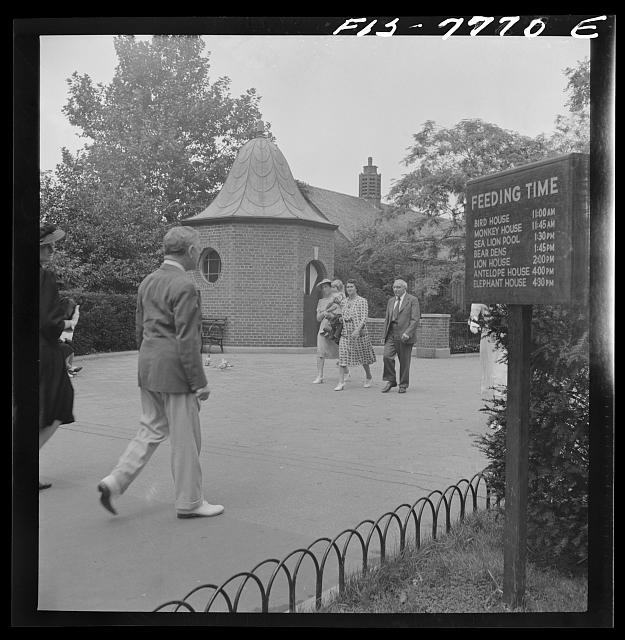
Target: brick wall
x=261 y=286
x=433 y=336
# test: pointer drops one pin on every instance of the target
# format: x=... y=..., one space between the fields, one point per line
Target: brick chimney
x=257 y=130
x=370 y=184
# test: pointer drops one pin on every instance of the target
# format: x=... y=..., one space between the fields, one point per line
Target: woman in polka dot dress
x=355 y=345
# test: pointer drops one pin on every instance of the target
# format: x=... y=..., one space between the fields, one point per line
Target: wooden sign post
x=526 y=244
x=517 y=423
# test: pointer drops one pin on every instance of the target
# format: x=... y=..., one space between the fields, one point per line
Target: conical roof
x=260 y=185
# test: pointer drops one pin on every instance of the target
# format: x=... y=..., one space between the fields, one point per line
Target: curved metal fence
x=370 y=537
x=461 y=340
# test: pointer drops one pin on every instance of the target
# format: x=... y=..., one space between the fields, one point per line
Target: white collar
x=174 y=263
x=401 y=298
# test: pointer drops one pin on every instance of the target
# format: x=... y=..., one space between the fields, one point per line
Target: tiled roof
x=260 y=185
x=350 y=213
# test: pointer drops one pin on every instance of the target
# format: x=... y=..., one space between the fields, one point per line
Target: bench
x=213 y=332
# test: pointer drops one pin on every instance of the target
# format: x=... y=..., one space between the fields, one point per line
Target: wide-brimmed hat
x=48 y=233
x=324 y=281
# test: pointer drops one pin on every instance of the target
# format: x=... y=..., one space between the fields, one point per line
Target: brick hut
x=264 y=250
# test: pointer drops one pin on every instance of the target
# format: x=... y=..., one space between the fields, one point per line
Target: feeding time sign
x=527 y=233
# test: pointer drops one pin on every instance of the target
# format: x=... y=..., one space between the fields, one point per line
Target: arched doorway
x=315 y=272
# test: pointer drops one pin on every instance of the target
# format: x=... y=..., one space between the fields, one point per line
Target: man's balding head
x=399 y=287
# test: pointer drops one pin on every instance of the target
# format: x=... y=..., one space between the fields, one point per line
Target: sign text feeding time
x=526 y=235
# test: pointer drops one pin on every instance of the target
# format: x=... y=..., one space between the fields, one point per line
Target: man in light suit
x=400 y=328
x=171 y=378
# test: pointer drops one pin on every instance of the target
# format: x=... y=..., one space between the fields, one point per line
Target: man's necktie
x=395 y=310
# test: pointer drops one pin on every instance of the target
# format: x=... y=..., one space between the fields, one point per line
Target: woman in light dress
x=494 y=368
x=326 y=347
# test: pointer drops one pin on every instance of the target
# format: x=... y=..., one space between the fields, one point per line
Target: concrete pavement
x=289 y=460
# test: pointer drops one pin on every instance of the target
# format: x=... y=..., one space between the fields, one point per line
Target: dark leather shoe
x=44 y=485
x=401 y=390
x=388 y=386
x=105 y=498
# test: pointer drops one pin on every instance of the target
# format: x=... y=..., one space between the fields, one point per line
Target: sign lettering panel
x=527 y=233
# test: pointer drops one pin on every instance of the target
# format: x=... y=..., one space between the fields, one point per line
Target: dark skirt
x=66 y=349
x=56 y=394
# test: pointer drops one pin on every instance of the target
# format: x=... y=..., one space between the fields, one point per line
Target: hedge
x=107 y=322
x=559 y=429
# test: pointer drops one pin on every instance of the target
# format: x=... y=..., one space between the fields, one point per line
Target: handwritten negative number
x=457 y=22
x=475 y=19
x=511 y=20
x=535 y=28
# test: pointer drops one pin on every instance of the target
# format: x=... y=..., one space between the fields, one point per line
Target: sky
x=334 y=101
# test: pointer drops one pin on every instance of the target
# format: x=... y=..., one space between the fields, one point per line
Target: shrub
x=107 y=322
x=434 y=296
x=443 y=304
x=558 y=433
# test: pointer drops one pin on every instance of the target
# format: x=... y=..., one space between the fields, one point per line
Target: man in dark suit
x=400 y=328
x=171 y=378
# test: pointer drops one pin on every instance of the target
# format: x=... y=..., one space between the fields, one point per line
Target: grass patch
x=461 y=572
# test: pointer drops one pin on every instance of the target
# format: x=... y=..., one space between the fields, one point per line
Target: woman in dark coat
x=56 y=394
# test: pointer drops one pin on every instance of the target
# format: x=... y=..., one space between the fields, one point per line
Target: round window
x=210 y=265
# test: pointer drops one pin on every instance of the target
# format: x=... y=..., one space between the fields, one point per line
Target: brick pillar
x=433 y=336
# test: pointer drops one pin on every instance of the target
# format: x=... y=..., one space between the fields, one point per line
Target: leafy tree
x=345 y=259
x=381 y=252
x=572 y=130
x=578 y=86
x=160 y=139
x=440 y=301
x=442 y=160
